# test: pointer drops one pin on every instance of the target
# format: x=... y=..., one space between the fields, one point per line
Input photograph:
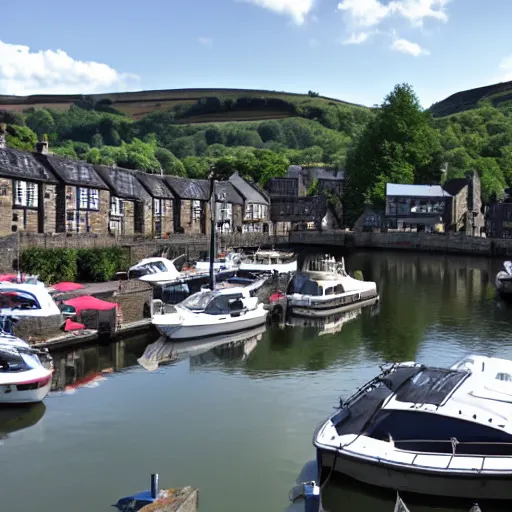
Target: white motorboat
x=24 y=300
x=425 y=430
x=230 y=261
x=23 y=377
x=209 y=313
x=269 y=262
x=504 y=280
x=325 y=288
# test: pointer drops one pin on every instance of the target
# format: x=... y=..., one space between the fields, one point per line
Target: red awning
x=89 y=302
x=66 y=286
x=8 y=278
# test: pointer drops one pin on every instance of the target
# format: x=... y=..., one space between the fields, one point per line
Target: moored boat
x=324 y=288
x=427 y=430
x=269 y=262
x=209 y=313
x=504 y=280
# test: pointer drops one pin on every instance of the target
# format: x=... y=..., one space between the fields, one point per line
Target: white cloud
x=364 y=13
x=370 y=13
x=297 y=9
x=24 y=72
x=506 y=69
x=404 y=46
x=207 y=41
x=357 y=38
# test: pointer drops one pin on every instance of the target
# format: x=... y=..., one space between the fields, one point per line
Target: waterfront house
x=229 y=207
x=130 y=203
x=190 y=204
x=499 y=220
x=28 y=191
x=256 y=205
x=417 y=207
x=159 y=213
x=82 y=199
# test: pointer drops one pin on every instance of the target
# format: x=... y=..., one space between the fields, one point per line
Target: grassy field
x=136 y=105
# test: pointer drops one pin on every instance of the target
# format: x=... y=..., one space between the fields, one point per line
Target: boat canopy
x=214 y=303
x=304 y=285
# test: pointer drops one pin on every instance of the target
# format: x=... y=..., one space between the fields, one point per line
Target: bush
x=99 y=265
x=54 y=265
x=51 y=265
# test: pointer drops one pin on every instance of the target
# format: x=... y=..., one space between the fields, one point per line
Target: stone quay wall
x=421 y=242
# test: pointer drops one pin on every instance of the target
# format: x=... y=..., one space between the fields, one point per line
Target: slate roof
x=23 y=165
x=186 y=188
x=251 y=193
x=395 y=189
x=73 y=172
x=123 y=183
x=154 y=185
x=232 y=195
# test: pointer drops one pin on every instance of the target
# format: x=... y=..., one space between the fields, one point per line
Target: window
x=196 y=211
x=88 y=199
x=26 y=194
x=391 y=207
x=157 y=206
x=116 y=207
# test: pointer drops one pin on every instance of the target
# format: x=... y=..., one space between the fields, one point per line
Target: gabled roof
x=455 y=185
x=23 y=165
x=154 y=185
x=73 y=172
x=186 y=188
x=250 y=192
x=123 y=183
x=395 y=189
x=227 y=188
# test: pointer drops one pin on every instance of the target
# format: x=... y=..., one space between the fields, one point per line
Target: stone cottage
x=129 y=201
x=28 y=191
x=229 y=207
x=159 y=214
x=82 y=198
x=256 y=205
x=191 y=204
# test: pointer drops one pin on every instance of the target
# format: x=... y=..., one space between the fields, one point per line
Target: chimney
x=42 y=145
x=3 y=132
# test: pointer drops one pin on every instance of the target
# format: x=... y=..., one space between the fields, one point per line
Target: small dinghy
x=23 y=378
x=426 y=430
x=504 y=280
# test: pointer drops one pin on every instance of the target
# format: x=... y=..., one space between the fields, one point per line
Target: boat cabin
x=26 y=300
x=217 y=302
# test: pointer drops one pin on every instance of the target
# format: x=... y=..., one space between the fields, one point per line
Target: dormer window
x=88 y=199
x=26 y=194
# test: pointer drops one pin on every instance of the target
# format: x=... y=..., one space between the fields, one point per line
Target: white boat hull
x=474 y=485
x=504 y=283
x=303 y=312
x=281 y=268
x=10 y=393
x=171 y=328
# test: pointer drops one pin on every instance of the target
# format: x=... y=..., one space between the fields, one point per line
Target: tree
x=170 y=164
x=21 y=137
x=399 y=146
x=41 y=122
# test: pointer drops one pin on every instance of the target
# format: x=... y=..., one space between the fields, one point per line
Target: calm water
x=237 y=422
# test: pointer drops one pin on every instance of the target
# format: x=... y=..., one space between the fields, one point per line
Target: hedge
x=86 y=265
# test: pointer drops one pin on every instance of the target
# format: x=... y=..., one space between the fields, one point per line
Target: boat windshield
x=199 y=301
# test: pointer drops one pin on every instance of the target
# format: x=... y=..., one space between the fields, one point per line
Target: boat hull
x=12 y=394
x=324 y=308
x=504 y=284
x=184 y=332
x=281 y=268
x=476 y=486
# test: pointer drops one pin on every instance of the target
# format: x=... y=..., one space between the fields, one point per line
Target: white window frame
x=196 y=210
x=116 y=207
x=26 y=194
x=88 y=198
x=157 y=207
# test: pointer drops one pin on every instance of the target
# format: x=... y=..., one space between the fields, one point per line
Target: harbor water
x=237 y=420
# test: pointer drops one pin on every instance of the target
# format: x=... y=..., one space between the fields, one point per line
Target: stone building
x=229 y=208
x=256 y=217
x=28 y=192
x=191 y=204
x=159 y=213
x=82 y=199
x=129 y=201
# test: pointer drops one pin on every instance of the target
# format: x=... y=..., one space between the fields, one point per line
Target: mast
x=213 y=212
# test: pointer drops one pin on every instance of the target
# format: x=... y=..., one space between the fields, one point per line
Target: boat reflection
x=334 y=323
x=88 y=366
x=163 y=351
x=14 y=418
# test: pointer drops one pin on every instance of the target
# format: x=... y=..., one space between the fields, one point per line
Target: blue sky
x=355 y=50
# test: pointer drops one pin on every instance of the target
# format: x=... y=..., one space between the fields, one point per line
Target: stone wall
x=459 y=209
x=82 y=221
x=192 y=222
x=134 y=297
x=49 y=201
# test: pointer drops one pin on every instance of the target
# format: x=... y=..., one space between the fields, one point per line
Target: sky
x=353 y=50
